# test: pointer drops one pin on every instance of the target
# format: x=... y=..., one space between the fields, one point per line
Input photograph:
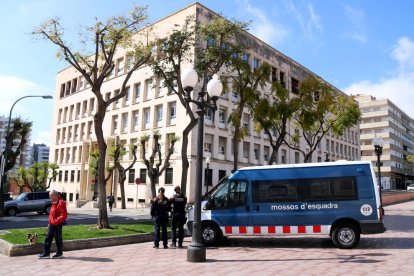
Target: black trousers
x=54 y=231
x=161 y=225
x=178 y=221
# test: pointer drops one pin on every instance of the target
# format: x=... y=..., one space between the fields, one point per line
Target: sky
x=361 y=47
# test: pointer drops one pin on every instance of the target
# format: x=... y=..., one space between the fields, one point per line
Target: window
x=116 y=103
x=135 y=120
x=208 y=142
x=282 y=79
x=231 y=195
x=62 y=90
x=331 y=188
x=114 y=124
x=66 y=176
x=256 y=63
x=208 y=179
x=266 y=191
x=74 y=85
x=70 y=197
x=148 y=89
x=297 y=157
x=222 y=117
x=266 y=152
x=209 y=115
x=221 y=174
x=283 y=156
x=245 y=57
x=143 y=175
x=124 y=122
x=130 y=62
x=60 y=176
x=295 y=86
x=137 y=92
x=78 y=176
x=222 y=145
x=274 y=74
x=147 y=118
x=256 y=151
x=131 y=176
x=127 y=97
x=120 y=66
x=173 y=112
x=169 y=176
x=158 y=115
x=246 y=149
x=161 y=87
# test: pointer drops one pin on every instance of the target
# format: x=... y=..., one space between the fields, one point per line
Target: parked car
x=7 y=197
x=29 y=202
x=410 y=187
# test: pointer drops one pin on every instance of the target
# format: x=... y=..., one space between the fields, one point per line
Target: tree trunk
x=236 y=148
x=122 y=187
x=152 y=185
x=307 y=158
x=184 y=159
x=273 y=156
x=103 y=221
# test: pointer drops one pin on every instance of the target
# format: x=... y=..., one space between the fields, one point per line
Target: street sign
x=138 y=181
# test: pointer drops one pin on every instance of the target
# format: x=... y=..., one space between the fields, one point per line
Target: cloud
x=268 y=30
x=399 y=87
x=38 y=111
x=307 y=18
x=403 y=52
x=356 y=18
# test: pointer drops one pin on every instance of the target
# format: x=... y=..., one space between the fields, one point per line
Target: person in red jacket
x=57 y=218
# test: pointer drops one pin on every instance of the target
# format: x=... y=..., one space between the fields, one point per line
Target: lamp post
x=208 y=160
x=196 y=251
x=378 y=145
x=3 y=179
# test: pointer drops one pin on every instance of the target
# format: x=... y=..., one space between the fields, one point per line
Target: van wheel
x=47 y=210
x=345 y=236
x=210 y=233
x=11 y=211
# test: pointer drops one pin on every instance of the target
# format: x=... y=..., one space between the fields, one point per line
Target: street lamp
x=378 y=145
x=2 y=180
x=208 y=160
x=196 y=251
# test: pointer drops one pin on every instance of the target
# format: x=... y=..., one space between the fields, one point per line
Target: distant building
x=40 y=153
x=382 y=118
x=24 y=160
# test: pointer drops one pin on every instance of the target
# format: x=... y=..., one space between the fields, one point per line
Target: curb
x=12 y=250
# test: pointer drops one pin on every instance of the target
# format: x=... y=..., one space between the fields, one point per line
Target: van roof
x=306 y=165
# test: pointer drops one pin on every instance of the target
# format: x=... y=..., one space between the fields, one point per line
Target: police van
x=339 y=199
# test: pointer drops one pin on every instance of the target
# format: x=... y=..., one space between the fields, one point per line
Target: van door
x=229 y=207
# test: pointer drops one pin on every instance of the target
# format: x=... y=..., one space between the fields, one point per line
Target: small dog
x=32 y=238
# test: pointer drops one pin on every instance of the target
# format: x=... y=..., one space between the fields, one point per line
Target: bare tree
x=96 y=65
x=156 y=168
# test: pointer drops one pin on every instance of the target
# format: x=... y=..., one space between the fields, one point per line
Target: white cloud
x=356 y=18
x=308 y=19
x=14 y=88
x=403 y=52
x=268 y=30
x=400 y=87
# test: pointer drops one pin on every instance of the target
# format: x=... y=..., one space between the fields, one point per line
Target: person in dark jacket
x=160 y=209
x=57 y=218
x=178 y=201
x=111 y=200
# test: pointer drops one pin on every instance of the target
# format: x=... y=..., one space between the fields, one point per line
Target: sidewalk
x=390 y=253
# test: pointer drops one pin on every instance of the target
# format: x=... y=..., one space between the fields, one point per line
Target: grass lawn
x=74 y=232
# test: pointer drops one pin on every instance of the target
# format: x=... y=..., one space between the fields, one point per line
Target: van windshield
x=230 y=194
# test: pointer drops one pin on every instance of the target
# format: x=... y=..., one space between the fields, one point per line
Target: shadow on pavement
x=367 y=242
x=90 y=259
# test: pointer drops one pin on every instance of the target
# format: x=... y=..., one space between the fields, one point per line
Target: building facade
x=40 y=153
x=23 y=160
x=147 y=107
x=382 y=118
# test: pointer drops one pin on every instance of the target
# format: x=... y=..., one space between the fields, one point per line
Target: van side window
x=231 y=195
x=331 y=188
x=265 y=191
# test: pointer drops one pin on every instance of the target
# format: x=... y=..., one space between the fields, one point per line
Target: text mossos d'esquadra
x=304 y=206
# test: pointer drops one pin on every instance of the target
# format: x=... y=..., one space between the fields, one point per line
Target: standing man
x=178 y=201
x=57 y=218
x=160 y=208
x=111 y=200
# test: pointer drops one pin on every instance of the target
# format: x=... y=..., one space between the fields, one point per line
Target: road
x=391 y=253
x=76 y=216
